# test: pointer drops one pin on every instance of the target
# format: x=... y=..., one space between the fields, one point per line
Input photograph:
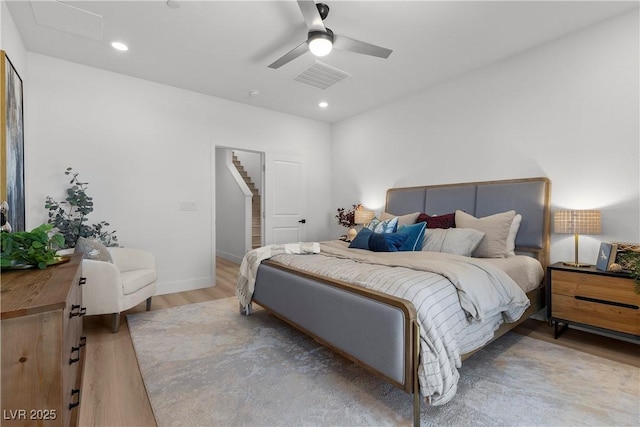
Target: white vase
x=351 y=234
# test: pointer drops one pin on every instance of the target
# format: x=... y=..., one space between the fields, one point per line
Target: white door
x=285 y=199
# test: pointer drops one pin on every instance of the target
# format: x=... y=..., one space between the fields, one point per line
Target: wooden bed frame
x=379 y=331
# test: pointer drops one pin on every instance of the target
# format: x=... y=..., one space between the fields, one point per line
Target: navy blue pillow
x=386 y=242
x=415 y=236
x=361 y=241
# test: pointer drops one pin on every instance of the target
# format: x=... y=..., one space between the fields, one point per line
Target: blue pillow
x=361 y=241
x=386 y=242
x=387 y=226
x=415 y=236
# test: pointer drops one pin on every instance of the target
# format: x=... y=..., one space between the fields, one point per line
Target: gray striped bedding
x=447 y=330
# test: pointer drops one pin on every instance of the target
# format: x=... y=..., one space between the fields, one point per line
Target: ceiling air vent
x=321 y=76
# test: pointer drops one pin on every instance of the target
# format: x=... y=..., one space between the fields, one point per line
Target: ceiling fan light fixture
x=320 y=43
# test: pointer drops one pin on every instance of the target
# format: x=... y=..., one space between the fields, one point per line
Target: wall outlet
x=188 y=206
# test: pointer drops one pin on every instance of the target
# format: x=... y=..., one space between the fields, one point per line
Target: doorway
x=260 y=199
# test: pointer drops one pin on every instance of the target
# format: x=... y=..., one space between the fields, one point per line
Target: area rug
x=206 y=365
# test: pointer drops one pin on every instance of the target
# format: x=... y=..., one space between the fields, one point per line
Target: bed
x=362 y=304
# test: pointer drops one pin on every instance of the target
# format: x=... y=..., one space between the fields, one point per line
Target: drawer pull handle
x=82 y=281
x=83 y=342
x=76 y=310
x=77 y=359
x=602 y=301
x=77 y=402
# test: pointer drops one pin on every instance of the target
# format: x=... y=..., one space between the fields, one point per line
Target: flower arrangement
x=346 y=218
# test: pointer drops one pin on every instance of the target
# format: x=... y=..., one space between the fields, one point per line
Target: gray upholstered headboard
x=529 y=197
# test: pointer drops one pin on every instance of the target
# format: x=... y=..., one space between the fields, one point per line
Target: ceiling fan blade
x=345 y=43
x=291 y=55
x=311 y=15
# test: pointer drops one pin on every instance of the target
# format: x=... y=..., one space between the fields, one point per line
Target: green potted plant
x=26 y=249
x=629 y=261
x=70 y=215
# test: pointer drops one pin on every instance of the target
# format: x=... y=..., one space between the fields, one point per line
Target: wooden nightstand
x=594 y=299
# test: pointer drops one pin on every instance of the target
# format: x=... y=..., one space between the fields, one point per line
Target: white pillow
x=387 y=226
x=457 y=241
x=408 y=219
x=92 y=249
x=496 y=232
x=513 y=232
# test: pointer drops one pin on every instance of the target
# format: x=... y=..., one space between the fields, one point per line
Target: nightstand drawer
x=606 y=288
x=600 y=314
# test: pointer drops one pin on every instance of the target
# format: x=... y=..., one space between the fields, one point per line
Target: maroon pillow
x=438 y=221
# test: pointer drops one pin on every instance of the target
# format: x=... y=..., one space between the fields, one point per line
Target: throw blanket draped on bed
x=253 y=258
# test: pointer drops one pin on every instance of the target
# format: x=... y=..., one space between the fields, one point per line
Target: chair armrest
x=103 y=289
x=128 y=259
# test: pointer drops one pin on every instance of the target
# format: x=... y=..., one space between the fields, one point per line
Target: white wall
x=144 y=148
x=567 y=110
x=11 y=42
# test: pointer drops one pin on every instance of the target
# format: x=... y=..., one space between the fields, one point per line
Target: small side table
x=599 y=300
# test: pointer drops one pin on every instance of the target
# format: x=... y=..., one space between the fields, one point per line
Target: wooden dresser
x=594 y=299
x=42 y=345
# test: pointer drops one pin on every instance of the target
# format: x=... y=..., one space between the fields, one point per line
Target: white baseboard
x=185 y=285
x=229 y=257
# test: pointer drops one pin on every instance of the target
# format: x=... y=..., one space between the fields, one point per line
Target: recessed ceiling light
x=323 y=104
x=173 y=4
x=120 y=46
x=254 y=92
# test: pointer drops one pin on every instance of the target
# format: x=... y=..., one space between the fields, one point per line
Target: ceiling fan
x=321 y=40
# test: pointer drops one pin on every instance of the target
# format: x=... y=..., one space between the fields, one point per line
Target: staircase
x=256 y=217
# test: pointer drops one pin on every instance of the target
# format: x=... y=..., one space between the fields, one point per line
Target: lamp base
x=577 y=264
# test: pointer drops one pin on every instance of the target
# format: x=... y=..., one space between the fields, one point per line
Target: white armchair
x=112 y=288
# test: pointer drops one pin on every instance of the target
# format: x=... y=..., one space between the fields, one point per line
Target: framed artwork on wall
x=12 y=149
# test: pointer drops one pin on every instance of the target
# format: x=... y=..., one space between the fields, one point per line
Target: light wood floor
x=113 y=393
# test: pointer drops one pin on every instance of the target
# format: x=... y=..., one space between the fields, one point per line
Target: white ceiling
x=222 y=48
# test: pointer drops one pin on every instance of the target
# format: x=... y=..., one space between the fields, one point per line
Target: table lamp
x=361 y=216
x=577 y=222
